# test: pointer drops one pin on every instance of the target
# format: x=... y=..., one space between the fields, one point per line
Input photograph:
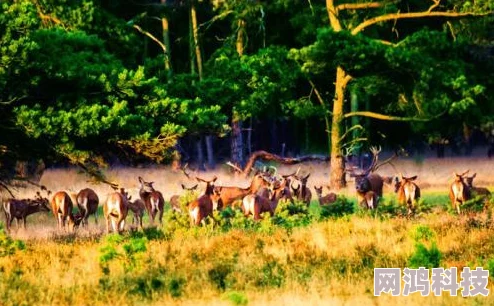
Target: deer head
x=146 y=186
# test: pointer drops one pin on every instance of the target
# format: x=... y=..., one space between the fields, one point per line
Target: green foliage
x=236 y=298
x=423 y=233
x=9 y=246
x=425 y=257
x=341 y=207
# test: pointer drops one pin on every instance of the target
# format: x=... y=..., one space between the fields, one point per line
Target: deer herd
x=265 y=191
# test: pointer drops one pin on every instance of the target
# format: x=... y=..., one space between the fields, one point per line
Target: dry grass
x=329 y=262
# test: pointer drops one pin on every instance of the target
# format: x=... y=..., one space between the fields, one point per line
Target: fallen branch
x=264 y=155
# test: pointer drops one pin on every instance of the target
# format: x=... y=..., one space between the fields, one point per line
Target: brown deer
x=408 y=192
x=458 y=191
x=204 y=206
x=255 y=204
x=153 y=200
x=327 y=199
x=303 y=192
x=137 y=207
x=115 y=210
x=20 y=209
x=367 y=181
x=61 y=206
x=175 y=199
x=87 y=201
x=476 y=191
x=231 y=194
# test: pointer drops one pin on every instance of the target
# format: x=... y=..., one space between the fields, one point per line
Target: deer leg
x=24 y=222
x=96 y=217
x=107 y=225
x=160 y=217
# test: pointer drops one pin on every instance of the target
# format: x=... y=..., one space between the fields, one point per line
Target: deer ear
x=183 y=186
x=307 y=176
x=474 y=175
x=214 y=179
x=194 y=187
x=141 y=180
x=413 y=178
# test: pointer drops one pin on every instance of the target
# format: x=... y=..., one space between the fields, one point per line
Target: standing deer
x=175 y=199
x=61 y=206
x=231 y=194
x=476 y=191
x=20 y=209
x=327 y=199
x=408 y=192
x=458 y=191
x=87 y=201
x=153 y=200
x=137 y=207
x=204 y=206
x=256 y=204
x=366 y=182
x=115 y=210
x=303 y=192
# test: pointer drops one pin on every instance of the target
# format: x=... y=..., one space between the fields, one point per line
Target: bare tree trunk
x=199 y=153
x=209 y=151
x=237 y=149
x=166 y=41
x=337 y=172
x=195 y=35
x=240 y=43
x=249 y=137
x=191 y=46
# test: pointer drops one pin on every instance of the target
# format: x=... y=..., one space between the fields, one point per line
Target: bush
x=341 y=207
x=425 y=257
x=423 y=232
x=9 y=246
x=236 y=298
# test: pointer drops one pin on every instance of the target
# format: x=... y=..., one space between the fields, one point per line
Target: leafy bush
x=341 y=207
x=425 y=257
x=423 y=232
x=9 y=246
x=236 y=298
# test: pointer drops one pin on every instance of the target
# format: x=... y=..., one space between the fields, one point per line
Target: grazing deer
x=20 y=209
x=115 y=210
x=303 y=192
x=458 y=191
x=327 y=199
x=153 y=200
x=204 y=206
x=408 y=192
x=476 y=191
x=231 y=194
x=175 y=199
x=367 y=181
x=61 y=206
x=87 y=201
x=255 y=204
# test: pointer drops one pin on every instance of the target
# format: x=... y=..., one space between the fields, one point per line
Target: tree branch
x=425 y=14
x=358 y=6
x=162 y=45
x=383 y=117
x=318 y=95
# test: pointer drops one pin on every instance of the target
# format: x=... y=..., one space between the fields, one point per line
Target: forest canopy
x=93 y=83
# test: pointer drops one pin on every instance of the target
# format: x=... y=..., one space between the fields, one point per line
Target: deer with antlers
x=232 y=194
x=153 y=200
x=368 y=185
x=327 y=199
x=204 y=206
x=115 y=210
x=87 y=201
x=256 y=204
x=408 y=192
x=20 y=209
x=459 y=192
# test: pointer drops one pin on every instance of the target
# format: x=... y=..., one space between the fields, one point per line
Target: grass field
x=301 y=257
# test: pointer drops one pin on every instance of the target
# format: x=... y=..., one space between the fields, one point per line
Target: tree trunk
x=199 y=154
x=237 y=149
x=249 y=137
x=209 y=151
x=195 y=35
x=191 y=45
x=337 y=172
x=166 y=41
x=240 y=43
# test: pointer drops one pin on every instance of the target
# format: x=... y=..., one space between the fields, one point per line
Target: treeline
x=95 y=82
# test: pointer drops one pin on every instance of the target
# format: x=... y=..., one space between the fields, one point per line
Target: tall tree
x=363 y=35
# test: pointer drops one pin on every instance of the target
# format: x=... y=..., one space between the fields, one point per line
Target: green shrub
x=9 y=246
x=422 y=232
x=425 y=257
x=341 y=207
x=236 y=298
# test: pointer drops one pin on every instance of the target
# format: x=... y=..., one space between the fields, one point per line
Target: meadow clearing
x=301 y=256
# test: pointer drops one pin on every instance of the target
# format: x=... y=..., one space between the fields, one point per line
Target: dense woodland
x=125 y=82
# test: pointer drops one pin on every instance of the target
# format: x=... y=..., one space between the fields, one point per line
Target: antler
x=184 y=170
x=235 y=167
